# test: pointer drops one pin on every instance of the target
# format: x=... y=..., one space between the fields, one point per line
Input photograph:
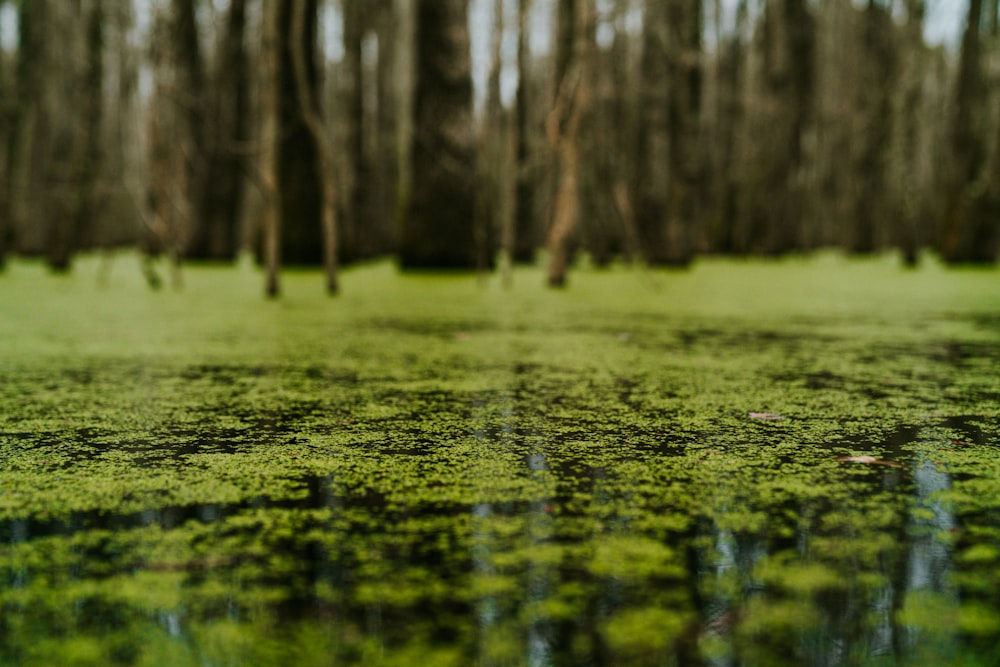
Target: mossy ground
x=749 y=463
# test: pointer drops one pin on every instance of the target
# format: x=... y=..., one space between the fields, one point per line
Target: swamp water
x=747 y=464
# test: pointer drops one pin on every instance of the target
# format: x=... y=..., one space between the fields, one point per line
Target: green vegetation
x=751 y=463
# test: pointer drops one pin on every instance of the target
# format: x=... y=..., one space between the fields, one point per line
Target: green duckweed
x=437 y=470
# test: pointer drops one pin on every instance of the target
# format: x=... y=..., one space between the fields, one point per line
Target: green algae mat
x=746 y=464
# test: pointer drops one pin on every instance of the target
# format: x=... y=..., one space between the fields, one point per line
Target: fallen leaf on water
x=765 y=416
x=870 y=460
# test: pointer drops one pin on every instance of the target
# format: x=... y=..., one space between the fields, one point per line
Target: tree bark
x=525 y=225
x=906 y=123
x=667 y=153
x=220 y=204
x=875 y=115
x=970 y=232
x=772 y=202
x=91 y=142
x=683 y=120
x=300 y=187
x=563 y=124
x=438 y=228
x=312 y=120
x=357 y=221
x=270 y=145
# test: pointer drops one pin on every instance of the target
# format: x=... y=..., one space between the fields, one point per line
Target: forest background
x=314 y=132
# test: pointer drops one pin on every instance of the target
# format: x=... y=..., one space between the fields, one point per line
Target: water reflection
x=596 y=568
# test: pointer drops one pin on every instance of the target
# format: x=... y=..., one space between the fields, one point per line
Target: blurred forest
x=323 y=132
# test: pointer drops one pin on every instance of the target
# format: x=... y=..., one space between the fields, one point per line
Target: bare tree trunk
x=875 y=115
x=438 y=229
x=524 y=241
x=652 y=148
x=91 y=149
x=772 y=201
x=386 y=163
x=270 y=145
x=731 y=89
x=189 y=96
x=7 y=116
x=906 y=121
x=311 y=118
x=22 y=176
x=563 y=126
x=168 y=205
x=222 y=153
x=969 y=233
x=683 y=121
x=491 y=162
x=358 y=165
x=300 y=187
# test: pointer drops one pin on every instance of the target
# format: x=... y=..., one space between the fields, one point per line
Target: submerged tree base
x=751 y=463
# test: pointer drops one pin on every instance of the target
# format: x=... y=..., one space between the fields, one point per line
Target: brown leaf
x=765 y=416
x=870 y=460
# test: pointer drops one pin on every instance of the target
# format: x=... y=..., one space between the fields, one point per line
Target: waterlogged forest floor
x=749 y=463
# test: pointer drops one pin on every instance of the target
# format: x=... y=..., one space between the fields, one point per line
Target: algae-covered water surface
x=749 y=463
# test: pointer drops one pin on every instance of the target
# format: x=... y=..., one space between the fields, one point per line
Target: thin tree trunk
x=523 y=242
x=311 y=117
x=354 y=206
x=491 y=160
x=92 y=147
x=189 y=97
x=563 y=129
x=907 y=128
x=270 y=145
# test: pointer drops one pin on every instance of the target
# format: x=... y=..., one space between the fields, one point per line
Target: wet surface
x=709 y=492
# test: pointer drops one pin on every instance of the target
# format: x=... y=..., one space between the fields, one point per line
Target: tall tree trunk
x=22 y=177
x=970 y=235
x=216 y=234
x=300 y=185
x=906 y=123
x=8 y=116
x=64 y=141
x=730 y=91
x=667 y=152
x=168 y=192
x=270 y=144
x=563 y=125
x=525 y=223
x=773 y=195
x=189 y=96
x=653 y=147
x=314 y=123
x=875 y=113
x=683 y=120
x=91 y=148
x=357 y=218
x=438 y=228
x=491 y=159
x=386 y=163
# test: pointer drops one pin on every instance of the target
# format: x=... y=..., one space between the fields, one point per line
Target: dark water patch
x=145 y=447
x=167 y=517
x=236 y=373
x=965 y=430
x=435 y=327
